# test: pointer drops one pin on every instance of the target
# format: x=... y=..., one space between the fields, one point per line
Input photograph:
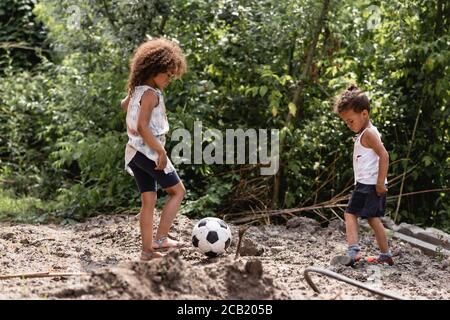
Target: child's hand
x=381 y=189
x=162 y=160
x=132 y=132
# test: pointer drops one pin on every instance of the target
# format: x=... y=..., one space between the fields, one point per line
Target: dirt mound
x=171 y=278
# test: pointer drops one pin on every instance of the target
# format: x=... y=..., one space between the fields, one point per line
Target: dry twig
x=242 y=230
x=42 y=275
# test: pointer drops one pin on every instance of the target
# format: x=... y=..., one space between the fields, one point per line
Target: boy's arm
x=373 y=141
x=148 y=102
x=124 y=103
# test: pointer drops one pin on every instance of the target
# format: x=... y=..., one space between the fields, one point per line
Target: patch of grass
x=440 y=256
x=24 y=209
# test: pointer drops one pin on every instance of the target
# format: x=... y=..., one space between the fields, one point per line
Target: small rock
x=278 y=249
x=57 y=267
x=397 y=252
x=446 y=263
x=7 y=236
x=417 y=262
x=62 y=254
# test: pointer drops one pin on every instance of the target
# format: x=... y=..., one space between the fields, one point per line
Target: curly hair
x=352 y=98
x=155 y=56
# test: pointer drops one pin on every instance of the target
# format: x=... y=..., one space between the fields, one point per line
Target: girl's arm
x=373 y=141
x=125 y=102
x=148 y=102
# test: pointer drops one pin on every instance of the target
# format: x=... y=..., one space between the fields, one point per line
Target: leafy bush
x=63 y=135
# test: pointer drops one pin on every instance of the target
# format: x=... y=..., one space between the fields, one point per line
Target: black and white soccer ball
x=211 y=236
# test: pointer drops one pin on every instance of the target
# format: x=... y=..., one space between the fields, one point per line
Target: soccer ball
x=211 y=236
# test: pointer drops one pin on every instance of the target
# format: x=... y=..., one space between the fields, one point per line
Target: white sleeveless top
x=365 y=160
x=158 y=125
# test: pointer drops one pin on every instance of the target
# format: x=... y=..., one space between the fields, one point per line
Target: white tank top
x=365 y=160
x=158 y=125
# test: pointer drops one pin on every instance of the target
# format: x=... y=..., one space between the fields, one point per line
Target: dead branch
x=418 y=192
x=242 y=230
x=252 y=216
x=337 y=215
x=407 y=156
x=42 y=275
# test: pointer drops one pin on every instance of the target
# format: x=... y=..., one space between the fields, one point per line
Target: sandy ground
x=273 y=259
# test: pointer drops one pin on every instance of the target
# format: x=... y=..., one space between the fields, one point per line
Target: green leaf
x=292 y=108
x=427 y=160
x=263 y=90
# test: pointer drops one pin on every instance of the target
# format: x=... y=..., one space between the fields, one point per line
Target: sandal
x=380 y=260
x=147 y=256
x=158 y=244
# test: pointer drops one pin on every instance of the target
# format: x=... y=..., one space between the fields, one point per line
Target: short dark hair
x=352 y=98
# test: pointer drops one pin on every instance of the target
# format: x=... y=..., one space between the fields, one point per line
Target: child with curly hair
x=370 y=165
x=154 y=65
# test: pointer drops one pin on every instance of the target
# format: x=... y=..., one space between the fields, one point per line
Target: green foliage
x=23 y=210
x=21 y=36
x=63 y=133
x=206 y=202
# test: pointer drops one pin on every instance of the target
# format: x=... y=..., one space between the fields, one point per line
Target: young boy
x=370 y=165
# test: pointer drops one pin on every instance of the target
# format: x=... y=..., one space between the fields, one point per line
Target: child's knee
x=148 y=198
x=374 y=221
x=178 y=191
x=181 y=191
x=348 y=217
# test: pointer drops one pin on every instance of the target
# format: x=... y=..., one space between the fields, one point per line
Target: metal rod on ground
x=339 y=277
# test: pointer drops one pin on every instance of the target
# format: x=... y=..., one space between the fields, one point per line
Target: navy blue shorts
x=365 y=202
x=146 y=176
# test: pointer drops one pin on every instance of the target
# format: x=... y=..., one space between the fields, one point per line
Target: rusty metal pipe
x=345 y=279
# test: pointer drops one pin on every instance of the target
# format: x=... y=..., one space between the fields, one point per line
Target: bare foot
x=149 y=255
x=165 y=243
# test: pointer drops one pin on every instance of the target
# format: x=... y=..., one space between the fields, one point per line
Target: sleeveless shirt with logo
x=365 y=160
x=158 y=125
